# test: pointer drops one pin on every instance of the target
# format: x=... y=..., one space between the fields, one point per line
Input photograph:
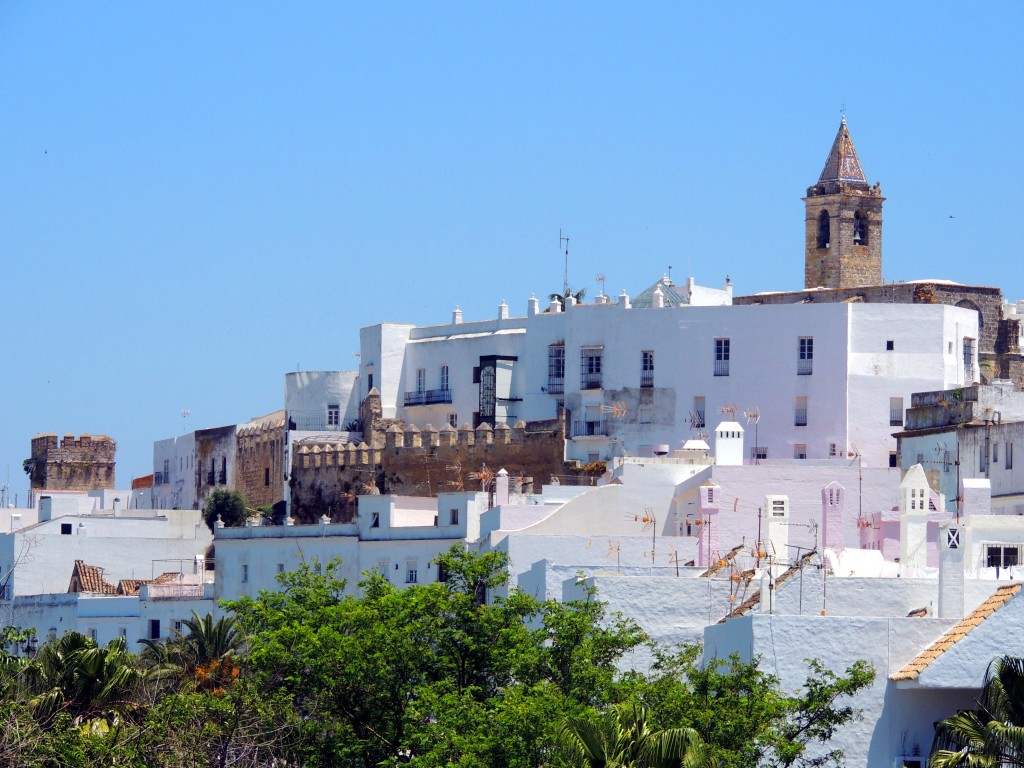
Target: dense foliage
x=443 y=674
x=230 y=507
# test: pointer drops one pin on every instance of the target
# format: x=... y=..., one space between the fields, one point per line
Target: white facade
x=828 y=380
x=174 y=473
x=321 y=401
x=397 y=535
x=39 y=559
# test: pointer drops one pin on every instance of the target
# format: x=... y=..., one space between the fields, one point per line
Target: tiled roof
x=955 y=634
x=842 y=163
x=89 y=578
x=129 y=586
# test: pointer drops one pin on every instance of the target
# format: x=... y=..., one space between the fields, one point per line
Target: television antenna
x=185 y=413
x=600 y=281
x=753 y=416
x=564 y=239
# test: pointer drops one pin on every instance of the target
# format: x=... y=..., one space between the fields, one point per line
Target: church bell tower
x=843 y=246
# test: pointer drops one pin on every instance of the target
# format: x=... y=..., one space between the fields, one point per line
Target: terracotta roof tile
x=89 y=578
x=129 y=586
x=959 y=631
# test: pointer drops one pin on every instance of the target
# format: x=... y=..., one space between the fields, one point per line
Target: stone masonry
x=84 y=463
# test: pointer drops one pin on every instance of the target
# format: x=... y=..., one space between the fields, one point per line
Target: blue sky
x=198 y=197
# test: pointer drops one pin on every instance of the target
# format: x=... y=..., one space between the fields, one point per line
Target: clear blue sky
x=196 y=197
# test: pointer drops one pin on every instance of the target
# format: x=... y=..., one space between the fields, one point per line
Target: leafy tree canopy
x=230 y=506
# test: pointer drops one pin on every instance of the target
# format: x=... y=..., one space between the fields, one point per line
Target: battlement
x=83 y=463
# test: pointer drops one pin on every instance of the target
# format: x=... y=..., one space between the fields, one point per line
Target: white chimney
x=951 y=570
x=729 y=444
x=709 y=502
x=532 y=306
x=976 y=494
x=501 y=488
x=914 y=518
x=833 y=498
x=776 y=513
x=456 y=316
x=503 y=310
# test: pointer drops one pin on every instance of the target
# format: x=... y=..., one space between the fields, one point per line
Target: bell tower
x=843 y=224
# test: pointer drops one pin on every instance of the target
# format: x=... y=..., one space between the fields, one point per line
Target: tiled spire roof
x=842 y=163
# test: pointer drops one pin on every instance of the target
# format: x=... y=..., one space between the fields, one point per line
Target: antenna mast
x=565 y=281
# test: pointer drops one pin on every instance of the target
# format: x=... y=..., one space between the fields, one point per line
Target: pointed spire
x=842 y=163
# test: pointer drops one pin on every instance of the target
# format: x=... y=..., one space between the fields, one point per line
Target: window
x=968 y=360
x=895 y=411
x=890 y=345
x=333 y=415
x=999 y=556
x=382 y=567
x=245 y=573
x=411 y=572
x=647 y=368
x=280 y=567
x=860 y=228
x=556 y=368
x=369 y=382
x=697 y=417
x=800 y=451
x=453 y=516
x=824 y=230
x=65 y=529
x=178 y=625
x=453 y=419
x=759 y=452
x=800 y=412
x=995 y=453
x=590 y=367
x=421 y=380
x=805 y=356
x=894 y=459
x=646 y=414
x=154 y=629
x=721 y=357
x=375 y=520
x=92 y=633
x=1008 y=463
x=832 y=451
x=444 y=377
x=266 y=475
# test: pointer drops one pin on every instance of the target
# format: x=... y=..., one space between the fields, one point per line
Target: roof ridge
x=956 y=633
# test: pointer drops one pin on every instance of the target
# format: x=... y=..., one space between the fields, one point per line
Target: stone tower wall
x=84 y=463
x=843 y=264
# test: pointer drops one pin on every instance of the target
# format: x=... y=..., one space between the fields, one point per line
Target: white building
x=828 y=380
x=397 y=535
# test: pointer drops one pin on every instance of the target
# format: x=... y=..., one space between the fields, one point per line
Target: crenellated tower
x=843 y=245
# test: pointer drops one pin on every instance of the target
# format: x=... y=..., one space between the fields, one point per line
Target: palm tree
x=561 y=297
x=993 y=734
x=621 y=738
x=87 y=681
x=206 y=653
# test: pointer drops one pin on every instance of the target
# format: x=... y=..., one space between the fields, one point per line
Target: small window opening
x=824 y=230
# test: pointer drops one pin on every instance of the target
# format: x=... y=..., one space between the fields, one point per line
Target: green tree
x=561 y=297
x=230 y=506
x=993 y=734
x=434 y=674
x=741 y=713
x=622 y=738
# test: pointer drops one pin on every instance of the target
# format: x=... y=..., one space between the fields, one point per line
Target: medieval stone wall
x=84 y=463
x=327 y=476
x=259 y=462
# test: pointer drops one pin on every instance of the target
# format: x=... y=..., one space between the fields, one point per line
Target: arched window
x=824 y=230
x=860 y=229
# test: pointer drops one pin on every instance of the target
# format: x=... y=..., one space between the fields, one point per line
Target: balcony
x=800 y=417
x=721 y=367
x=556 y=386
x=590 y=428
x=804 y=367
x=315 y=424
x=590 y=381
x=428 y=397
x=646 y=379
x=895 y=417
